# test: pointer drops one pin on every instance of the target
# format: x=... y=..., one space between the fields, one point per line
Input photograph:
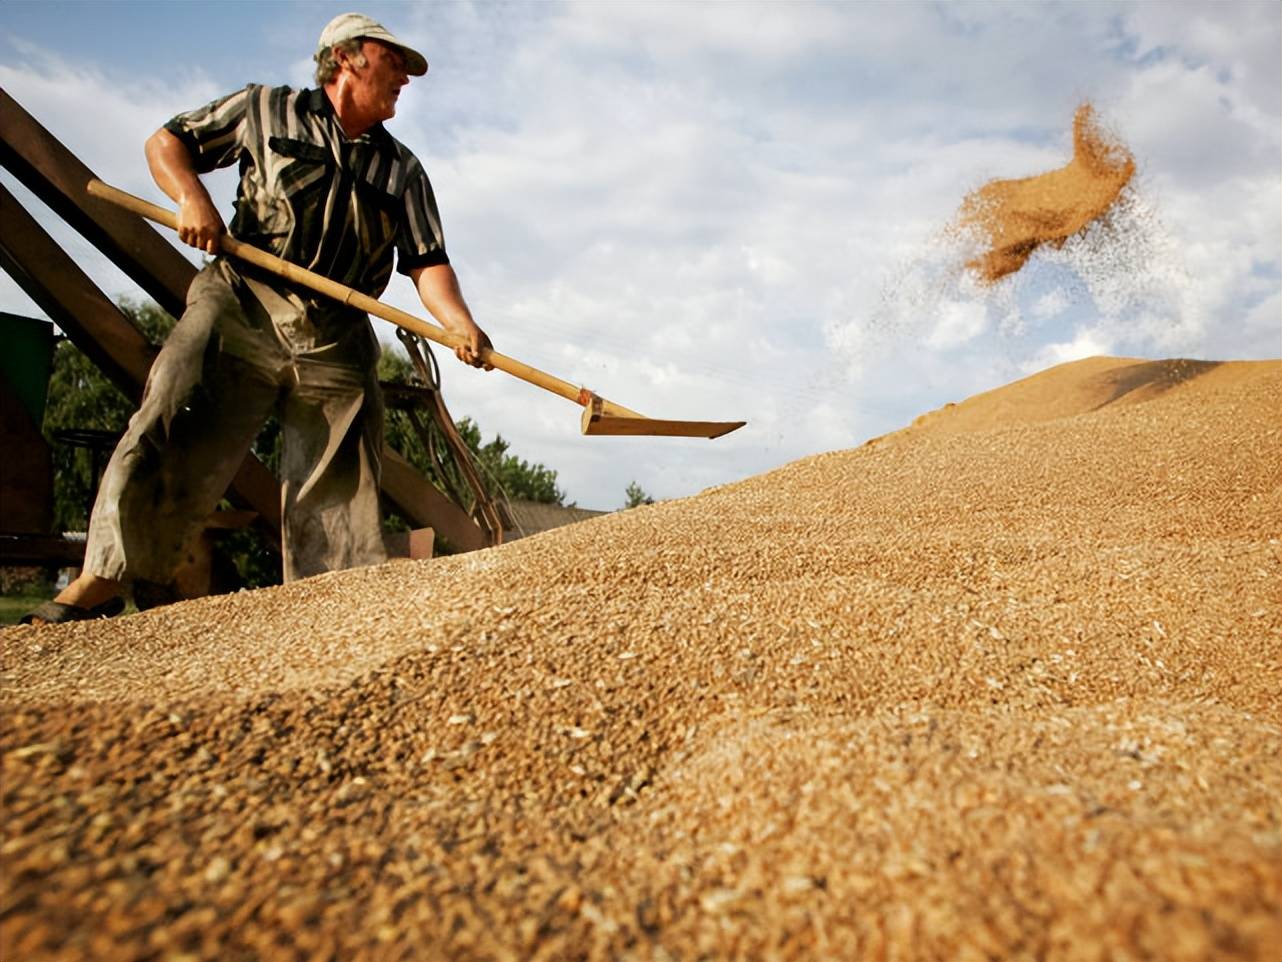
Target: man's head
x=343 y=37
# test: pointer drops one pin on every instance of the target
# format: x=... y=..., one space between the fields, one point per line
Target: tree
x=502 y=473
x=81 y=398
x=636 y=496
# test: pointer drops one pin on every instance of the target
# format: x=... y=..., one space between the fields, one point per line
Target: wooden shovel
x=599 y=415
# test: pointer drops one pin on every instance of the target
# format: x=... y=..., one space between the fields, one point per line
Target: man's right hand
x=199 y=223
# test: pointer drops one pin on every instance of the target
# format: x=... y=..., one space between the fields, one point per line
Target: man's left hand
x=472 y=350
x=439 y=290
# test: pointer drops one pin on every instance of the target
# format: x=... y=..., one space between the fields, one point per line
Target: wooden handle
x=354 y=298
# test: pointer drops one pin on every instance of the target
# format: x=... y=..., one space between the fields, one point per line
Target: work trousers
x=246 y=348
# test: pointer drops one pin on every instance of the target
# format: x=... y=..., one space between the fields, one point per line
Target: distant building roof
x=531 y=517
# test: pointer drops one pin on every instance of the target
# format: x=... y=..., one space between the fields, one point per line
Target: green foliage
x=636 y=496
x=501 y=472
x=81 y=398
x=256 y=561
x=516 y=476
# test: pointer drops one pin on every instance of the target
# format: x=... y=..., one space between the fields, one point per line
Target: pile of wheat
x=1004 y=685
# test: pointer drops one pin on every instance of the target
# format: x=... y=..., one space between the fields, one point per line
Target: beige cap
x=349 y=26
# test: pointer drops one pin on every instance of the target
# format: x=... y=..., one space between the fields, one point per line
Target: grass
x=17 y=603
x=14 y=606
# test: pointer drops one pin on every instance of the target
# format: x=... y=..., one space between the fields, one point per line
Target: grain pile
x=1004 y=685
x=1013 y=218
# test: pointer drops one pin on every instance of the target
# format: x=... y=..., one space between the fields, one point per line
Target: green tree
x=81 y=398
x=636 y=496
x=501 y=472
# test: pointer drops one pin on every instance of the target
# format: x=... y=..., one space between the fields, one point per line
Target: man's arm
x=199 y=223
x=439 y=290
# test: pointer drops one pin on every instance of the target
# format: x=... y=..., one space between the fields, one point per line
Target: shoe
x=57 y=613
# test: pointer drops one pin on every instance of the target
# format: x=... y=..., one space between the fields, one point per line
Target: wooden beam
x=55 y=175
x=425 y=506
x=32 y=549
x=71 y=300
x=417 y=545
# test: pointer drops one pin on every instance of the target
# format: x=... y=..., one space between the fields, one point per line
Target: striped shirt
x=338 y=207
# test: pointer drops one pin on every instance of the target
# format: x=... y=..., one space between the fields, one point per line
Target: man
x=322 y=185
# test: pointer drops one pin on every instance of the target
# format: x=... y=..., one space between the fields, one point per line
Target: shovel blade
x=596 y=423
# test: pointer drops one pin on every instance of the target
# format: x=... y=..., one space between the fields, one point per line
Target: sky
x=741 y=210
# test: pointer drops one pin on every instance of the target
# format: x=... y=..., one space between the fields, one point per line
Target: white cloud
x=827 y=199
x=1240 y=40
x=1200 y=131
x=735 y=210
x=102 y=115
x=1086 y=342
x=675 y=32
x=1261 y=330
x=1051 y=304
x=958 y=323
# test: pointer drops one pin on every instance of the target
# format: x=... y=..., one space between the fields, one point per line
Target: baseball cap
x=349 y=26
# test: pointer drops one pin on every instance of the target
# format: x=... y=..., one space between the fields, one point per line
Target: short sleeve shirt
x=307 y=193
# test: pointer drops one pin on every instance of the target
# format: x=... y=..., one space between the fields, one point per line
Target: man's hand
x=470 y=351
x=199 y=223
x=439 y=290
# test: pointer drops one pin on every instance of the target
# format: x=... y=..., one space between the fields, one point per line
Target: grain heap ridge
x=1004 y=684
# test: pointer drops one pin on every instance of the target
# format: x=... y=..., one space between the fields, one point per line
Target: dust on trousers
x=244 y=349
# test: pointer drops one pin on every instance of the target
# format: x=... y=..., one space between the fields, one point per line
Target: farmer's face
x=378 y=84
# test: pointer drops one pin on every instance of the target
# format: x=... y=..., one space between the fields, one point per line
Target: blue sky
x=739 y=210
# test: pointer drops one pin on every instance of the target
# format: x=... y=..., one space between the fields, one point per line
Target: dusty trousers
x=245 y=349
